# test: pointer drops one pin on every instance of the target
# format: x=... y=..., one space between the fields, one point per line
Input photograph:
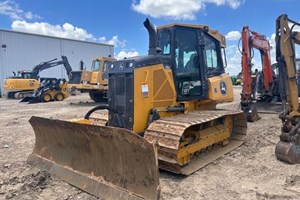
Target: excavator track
x=191 y=141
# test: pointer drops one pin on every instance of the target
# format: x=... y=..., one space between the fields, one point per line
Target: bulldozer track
x=168 y=133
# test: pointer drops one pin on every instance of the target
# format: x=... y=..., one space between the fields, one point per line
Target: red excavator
x=251 y=39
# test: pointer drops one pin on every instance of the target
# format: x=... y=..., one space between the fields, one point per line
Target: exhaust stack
x=152 y=37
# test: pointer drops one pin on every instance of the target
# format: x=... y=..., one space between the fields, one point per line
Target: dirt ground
x=249 y=172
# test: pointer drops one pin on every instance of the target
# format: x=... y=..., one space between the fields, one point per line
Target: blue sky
x=120 y=22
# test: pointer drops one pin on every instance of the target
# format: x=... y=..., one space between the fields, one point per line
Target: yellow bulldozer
x=95 y=81
x=161 y=114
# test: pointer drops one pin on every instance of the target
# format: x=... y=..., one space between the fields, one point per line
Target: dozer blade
x=108 y=162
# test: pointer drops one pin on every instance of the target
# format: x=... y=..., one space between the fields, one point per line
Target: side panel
x=220 y=88
x=154 y=88
x=20 y=84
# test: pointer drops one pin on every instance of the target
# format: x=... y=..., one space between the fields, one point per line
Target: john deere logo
x=223 y=88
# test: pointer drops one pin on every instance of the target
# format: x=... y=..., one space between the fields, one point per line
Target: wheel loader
x=161 y=114
x=95 y=82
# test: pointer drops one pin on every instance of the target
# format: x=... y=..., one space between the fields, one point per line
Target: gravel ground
x=249 y=172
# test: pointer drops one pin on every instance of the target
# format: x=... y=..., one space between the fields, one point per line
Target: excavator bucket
x=288 y=151
x=251 y=112
x=288 y=148
x=108 y=162
x=271 y=108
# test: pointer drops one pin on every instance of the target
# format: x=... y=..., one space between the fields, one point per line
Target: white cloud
x=233 y=35
x=178 y=9
x=11 y=9
x=232 y=3
x=126 y=54
x=233 y=60
x=66 y=30
x=113 y=41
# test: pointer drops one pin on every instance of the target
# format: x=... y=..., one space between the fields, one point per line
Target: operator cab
x=22 y=75
x=101 y=65
x=195 y=57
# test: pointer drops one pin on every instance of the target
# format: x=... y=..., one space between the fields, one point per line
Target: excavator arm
x=250 y=40
x=288 y=148
x=49 y=64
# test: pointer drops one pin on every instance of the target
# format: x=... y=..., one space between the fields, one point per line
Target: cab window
x=187 y=66
x=106 y=65
x=212 y=57
x=96 y=65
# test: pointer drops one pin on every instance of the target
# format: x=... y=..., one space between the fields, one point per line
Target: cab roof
x=214 y=33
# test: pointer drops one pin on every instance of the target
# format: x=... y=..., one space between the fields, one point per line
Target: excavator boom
x=288 y=148
x=251 y=39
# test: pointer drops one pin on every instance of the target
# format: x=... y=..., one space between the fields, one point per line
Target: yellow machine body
x=161 y=113
x=162 y=94
x=95 y=80
x=15 y=84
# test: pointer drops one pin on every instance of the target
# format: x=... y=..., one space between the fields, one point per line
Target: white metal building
x=22 y=51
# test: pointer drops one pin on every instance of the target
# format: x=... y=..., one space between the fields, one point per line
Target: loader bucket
x=108 y=162
x=30 y=100
x=26 y=99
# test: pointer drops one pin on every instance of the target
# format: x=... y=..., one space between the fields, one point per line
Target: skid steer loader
x=164 y=102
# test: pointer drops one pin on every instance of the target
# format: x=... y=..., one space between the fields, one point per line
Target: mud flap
x=108 y=162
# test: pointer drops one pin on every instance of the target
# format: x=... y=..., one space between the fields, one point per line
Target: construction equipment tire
x=59 y=96
x=46 y=97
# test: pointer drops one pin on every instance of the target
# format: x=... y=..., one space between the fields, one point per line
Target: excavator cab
x=23 y=75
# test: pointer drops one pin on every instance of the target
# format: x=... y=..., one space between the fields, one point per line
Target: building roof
x=47 y=36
